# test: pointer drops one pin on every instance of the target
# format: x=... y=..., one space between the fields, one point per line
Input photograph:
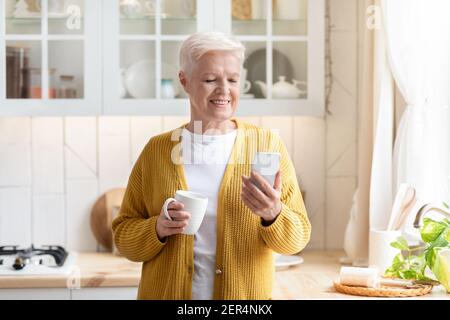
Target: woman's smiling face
x=213 y=86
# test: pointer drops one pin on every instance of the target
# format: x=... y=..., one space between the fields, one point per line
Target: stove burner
x=23 y=256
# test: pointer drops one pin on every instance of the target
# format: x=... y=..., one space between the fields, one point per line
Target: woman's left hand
x=264 y=202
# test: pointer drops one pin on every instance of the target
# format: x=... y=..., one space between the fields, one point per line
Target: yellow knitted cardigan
x=244 y=260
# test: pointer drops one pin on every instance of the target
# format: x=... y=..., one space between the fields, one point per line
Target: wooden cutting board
x=102 y=214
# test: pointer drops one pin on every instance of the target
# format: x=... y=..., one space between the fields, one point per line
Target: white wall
x=341 y=126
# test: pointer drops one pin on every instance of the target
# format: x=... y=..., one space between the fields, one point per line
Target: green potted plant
x=411 y=263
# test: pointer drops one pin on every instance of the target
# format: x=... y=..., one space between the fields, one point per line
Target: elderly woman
x=231 y=255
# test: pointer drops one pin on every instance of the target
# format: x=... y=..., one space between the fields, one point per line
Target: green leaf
x=431 y=229
x=400 y=243
x=445 y=205
x=446 y=235
x=441 y=268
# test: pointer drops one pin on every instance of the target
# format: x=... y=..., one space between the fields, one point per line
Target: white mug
x=194 y=203
x=267 y=165
x=381 y=254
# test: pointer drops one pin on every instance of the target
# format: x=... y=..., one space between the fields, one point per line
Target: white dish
x=284 y=261
x=247 y=95
x=140 y=79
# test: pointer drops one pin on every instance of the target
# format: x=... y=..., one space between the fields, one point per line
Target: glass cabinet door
x=50 y=57
x=141 y=55
x=283 y=67
x=275 y=36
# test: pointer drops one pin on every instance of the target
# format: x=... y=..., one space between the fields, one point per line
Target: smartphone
x=267 y=165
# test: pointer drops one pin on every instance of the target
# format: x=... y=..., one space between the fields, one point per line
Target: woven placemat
x=418 y=290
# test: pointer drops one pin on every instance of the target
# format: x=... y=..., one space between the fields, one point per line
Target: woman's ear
x=183 y=80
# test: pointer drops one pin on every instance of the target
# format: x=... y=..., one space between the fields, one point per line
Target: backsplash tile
x=309 y=161
x=15 y=130
x=49 y=220
x=142 y=129
x=77 y=167
x=15 y=165
x=48 y=170
x=15 y=216
x=339 y=200
x=283 y=126
x=114 y=126
x=80 y=137
x=47 y=131
x=170 y=123
x=114 y=161
x=80 y=196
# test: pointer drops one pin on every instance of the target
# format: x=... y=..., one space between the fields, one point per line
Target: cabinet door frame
x=91 y=103
x=112 y=104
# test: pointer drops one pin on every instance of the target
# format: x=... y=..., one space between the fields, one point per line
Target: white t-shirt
x=205 y=158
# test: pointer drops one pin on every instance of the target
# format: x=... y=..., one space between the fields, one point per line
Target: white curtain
x=413 y=46
x=418 y=42
x=381 y=192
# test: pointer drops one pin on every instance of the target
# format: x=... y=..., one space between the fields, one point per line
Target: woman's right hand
x=166 y=227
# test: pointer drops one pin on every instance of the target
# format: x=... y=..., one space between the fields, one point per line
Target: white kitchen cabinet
x=35 y=294
x=127 y=56
x=284 y=42
x=51 y=57
x=105 y=293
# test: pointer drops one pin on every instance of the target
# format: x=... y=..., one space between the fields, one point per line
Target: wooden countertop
x=312 y=279
x=92 y=270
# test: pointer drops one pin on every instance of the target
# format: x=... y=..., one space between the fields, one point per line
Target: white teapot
x=283 y=89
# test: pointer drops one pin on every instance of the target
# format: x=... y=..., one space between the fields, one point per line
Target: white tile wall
x=76 y=166
x=283 y=126
x=15 y=130
x=15 y=216
x=49 y=220
x=142 y=129
x=80 y=196
x=47 y=156
x=341 y=125
x=309 y=160
x=80 y=142
x=15 y=165
x=114 y=161
x=341 y=130
x=170 y=123
x=339 y=199
x=343 y=14
x=344 y=56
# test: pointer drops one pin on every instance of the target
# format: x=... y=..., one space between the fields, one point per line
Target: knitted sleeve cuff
x=137 y=239
x=288 y=234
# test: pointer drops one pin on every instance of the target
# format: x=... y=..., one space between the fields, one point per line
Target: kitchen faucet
x=424 y=210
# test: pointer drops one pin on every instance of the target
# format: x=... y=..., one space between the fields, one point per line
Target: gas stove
x=34 y=261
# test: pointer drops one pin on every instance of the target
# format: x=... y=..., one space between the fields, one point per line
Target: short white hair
x=198 y=44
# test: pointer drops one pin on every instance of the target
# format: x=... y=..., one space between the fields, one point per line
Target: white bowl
x=140 y=79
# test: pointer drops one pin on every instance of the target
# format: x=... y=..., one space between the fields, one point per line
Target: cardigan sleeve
x=134 y=231
x=291 y=230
